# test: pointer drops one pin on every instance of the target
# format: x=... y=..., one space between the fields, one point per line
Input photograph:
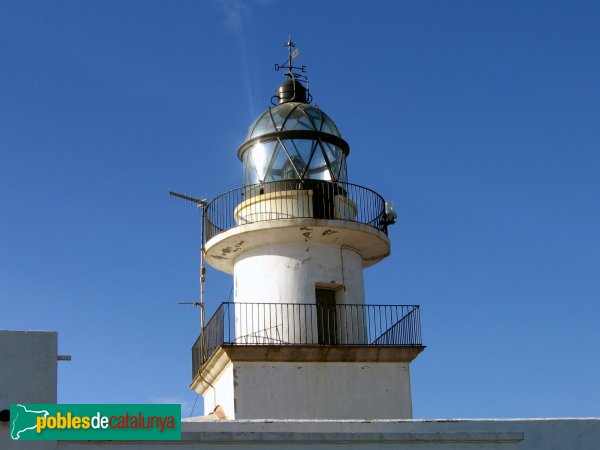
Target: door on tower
x=326 y=316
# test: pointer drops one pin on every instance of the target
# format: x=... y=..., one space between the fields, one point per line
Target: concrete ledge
x=482 y=437
x=226 y=354
x=442 y=434
x=222 y=250
x=321 y=353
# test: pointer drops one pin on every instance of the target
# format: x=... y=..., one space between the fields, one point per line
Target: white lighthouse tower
x=299 y=341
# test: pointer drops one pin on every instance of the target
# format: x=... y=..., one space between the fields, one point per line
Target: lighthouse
x=299 y=341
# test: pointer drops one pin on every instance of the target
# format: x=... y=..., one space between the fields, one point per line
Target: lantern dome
x=293 y=141
x=292 y=116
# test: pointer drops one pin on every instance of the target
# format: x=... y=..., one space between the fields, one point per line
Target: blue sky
x=479 y=119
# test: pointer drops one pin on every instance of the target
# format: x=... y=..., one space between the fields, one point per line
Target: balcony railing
x=307 y=324
x=295 y=199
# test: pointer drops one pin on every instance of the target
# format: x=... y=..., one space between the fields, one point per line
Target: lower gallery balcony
x=303 y=331
x=307 y=361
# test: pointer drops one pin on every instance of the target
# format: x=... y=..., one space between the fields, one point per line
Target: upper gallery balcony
x=318 y=210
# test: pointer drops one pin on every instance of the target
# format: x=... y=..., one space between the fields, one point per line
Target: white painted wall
x=288 y=273
x=221 y=393
x=319 y=390
x=28 y=361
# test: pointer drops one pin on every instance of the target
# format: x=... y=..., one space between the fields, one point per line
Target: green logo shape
x=144 y=422
x=23 y=419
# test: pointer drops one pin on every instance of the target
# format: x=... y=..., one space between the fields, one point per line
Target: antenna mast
x=203 y=204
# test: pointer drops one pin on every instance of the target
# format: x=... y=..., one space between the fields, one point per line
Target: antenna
x=203 y=204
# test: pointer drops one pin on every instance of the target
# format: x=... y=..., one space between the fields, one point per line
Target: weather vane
x=293 y=53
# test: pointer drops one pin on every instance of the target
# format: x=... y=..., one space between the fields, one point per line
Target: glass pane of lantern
x=252 y=126
x=334 y=154
x=300 y=147
x=291 y=116
x=279 y=115
x=263 y=126
x=329 y=127
x=297 y=120
x=316 y=116
x=261 y=156
x=298 y=123
x=294 y=167
x=343 y=171
x=250 y=176
x=318 y=166
x=275 y=171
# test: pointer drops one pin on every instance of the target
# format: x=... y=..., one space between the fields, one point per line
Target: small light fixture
x=390 y=213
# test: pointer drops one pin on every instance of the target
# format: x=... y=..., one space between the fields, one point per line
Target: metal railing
x=307 y=324
x=291 y=199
